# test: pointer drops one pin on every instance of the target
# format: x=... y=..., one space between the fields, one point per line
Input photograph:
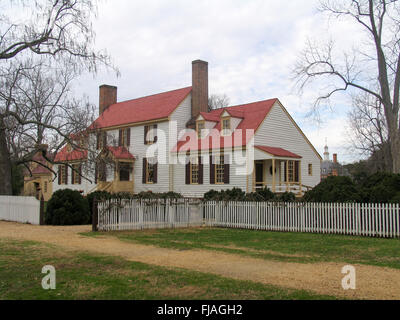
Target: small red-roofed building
x=38 y=177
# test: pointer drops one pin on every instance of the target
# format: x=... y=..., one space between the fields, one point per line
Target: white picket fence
x=20 y=209
x=148 y=214
x=374 y=220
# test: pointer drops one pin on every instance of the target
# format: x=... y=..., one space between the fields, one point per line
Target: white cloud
x=251 y=47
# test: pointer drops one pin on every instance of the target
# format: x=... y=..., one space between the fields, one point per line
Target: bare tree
x=40 y=114
x=51 y=27
x=36 y=107
x=376 y=65
x=368 y=129
x=216 y=101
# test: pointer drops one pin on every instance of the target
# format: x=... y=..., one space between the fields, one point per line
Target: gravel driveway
x=323 y=278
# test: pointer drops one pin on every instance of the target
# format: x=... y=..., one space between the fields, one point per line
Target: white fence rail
x=153 y=214
x=20 y=209
x=375 y=220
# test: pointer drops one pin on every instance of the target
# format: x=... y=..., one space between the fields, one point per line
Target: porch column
x=254 y=177
x=300 y=179
x=116 y=175
x=287 y=176
x=273 y=176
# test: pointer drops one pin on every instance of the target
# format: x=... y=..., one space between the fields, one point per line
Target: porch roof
x=278 y=152
x=121 y=153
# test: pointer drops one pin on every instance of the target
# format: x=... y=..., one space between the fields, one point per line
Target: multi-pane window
x=310 y=170
x=75 y=174
x=220 y=170
x=292 y=171
x=45 y=187
x=200 y=126
x=124 y=171
x=194 y=171
x=101 y=140
x=63 y=174
x=150 y=136
x=226 y=126
x=150 y=172
x=124 y=139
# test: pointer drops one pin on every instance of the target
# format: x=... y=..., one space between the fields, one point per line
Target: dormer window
x=200 y=125
x=226 y=126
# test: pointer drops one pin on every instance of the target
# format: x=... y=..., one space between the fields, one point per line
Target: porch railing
x=293 y=187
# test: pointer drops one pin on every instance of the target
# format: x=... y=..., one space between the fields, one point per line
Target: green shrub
x=381 y=188
x=99 y=195
x=266 y=194
x=237 y=194
x=211 y=195
x=122 y=195
x=234 y=194
x=67 y=207
x=286 y=197
x=170 y=195
x=255 y=197
x=334 y=189
x=152 y=195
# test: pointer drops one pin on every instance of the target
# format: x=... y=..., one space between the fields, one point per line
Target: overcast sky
x=251 y=47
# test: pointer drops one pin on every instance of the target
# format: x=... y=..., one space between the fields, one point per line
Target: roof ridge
x=152 y=95
x=240 y=105
x=247 y=104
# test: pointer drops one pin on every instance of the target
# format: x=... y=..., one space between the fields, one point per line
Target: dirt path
x=323 y=278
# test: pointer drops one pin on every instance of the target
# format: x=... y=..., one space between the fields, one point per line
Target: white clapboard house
x=171 y=142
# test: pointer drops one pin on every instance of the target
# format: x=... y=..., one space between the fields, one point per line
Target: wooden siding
x=86 y=186
x=278 y=130
x=197 y=191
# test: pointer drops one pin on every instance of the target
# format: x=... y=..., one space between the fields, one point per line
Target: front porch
x=119 y=161
x=278 y=170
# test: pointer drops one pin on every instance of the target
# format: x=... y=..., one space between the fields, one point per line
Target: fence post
x=41 y=212
x=95 y=216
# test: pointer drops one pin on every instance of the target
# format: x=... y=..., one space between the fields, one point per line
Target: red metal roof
x=252 y=115
x=121 y=153
x=64 y=155
x=38 y=158
x=210 y=117
x=154 y=107
x=279 y=152
x=235 y=113
x=41 y=170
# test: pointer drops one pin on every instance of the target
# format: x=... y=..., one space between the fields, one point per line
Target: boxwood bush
x=67 y=207
x=381 y=188
x=99 y=195
x=237 y=194
x=334 y=189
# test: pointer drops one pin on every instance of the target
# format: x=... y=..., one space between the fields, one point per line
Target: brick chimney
x=107 y=97
x=335 y=158
x=199 y=87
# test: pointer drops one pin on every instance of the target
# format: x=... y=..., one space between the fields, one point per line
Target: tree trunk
x=5 y=164
x=395 y=147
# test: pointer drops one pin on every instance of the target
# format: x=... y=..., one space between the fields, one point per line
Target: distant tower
x=326 y=153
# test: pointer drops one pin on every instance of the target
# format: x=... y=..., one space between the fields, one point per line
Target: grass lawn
x=89 y=276
x=290 y=247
